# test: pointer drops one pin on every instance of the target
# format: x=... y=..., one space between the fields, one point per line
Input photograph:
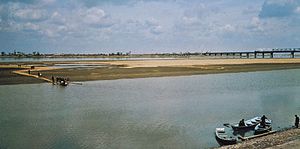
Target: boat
x=259 y=129
x=223 y=138
x=63 y=83
x=250 y=124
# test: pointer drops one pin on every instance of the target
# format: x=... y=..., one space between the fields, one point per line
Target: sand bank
x=198 y=62
x=122 y=69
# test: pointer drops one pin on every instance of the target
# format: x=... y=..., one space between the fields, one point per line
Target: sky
x=147 y=26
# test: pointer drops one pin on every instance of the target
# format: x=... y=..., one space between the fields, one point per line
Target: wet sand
x=7 y=77
x=112 y=73
x=126 y=69
x=199 y=62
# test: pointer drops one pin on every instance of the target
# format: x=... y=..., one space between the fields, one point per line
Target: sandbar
x=128 y=69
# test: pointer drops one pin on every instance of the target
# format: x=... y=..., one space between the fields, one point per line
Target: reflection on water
x=169 y=112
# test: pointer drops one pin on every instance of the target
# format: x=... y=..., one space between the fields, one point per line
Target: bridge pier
x=256 y=54
x=271 y=55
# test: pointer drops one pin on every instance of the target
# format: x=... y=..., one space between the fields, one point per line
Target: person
x=242 y=123
x=263 y=121
x=52 y=80
x=29 y=71
x=296 y=121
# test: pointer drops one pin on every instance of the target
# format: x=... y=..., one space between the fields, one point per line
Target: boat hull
x=224 y=139
x=259 y=129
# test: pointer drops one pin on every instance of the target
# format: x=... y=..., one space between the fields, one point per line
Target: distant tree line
x=20 y=54
x=38 y=54
x=114 y=54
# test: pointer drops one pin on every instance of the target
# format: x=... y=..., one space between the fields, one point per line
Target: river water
x=167 y=112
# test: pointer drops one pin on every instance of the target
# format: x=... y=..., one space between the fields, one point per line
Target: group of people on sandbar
x=59 y=80
x=38 y=73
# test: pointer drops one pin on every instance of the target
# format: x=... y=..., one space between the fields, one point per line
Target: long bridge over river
x=258 y=53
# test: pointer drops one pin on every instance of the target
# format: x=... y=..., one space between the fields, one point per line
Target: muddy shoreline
x=289 y=138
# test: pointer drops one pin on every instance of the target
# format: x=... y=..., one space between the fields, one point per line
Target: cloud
x=279 y=8
x=96 y=17
x=21 y=1
x=156 y=30
x=30 y=27
x=30 y=14
x=93 y=3
x=154 y=26
x=150 y=25
x=228 y=28
x=297 y=10
x=256 y=25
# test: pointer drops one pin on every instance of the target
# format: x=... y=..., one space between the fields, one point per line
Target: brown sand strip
x=23 y=72
x=126 y=69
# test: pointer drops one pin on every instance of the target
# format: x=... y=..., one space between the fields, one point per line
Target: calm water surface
x=169 y=112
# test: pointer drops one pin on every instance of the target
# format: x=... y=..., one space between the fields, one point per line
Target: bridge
x=257 y=53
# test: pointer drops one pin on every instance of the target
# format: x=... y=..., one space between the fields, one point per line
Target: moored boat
x=250 y=124
x=224 y=138
x=259 y=129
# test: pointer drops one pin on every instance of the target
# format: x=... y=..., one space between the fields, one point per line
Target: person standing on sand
x=296 y=121
x=52 y=79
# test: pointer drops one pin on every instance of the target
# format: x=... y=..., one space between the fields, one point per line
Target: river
x=166 y=112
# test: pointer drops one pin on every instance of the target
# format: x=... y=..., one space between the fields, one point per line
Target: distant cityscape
x=20 y=54
x=116 y=54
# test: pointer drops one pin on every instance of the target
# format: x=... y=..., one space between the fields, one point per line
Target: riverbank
x=285 y=139
x=126 y=69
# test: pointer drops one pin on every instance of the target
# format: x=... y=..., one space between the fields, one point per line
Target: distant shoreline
x=129 y=69
x=110 y=55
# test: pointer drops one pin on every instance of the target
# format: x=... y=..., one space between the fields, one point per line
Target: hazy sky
x=147 y=26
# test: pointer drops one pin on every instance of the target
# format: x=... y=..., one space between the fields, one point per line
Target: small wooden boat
x=224 y=138
x=259 y=129
x=250 y=124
